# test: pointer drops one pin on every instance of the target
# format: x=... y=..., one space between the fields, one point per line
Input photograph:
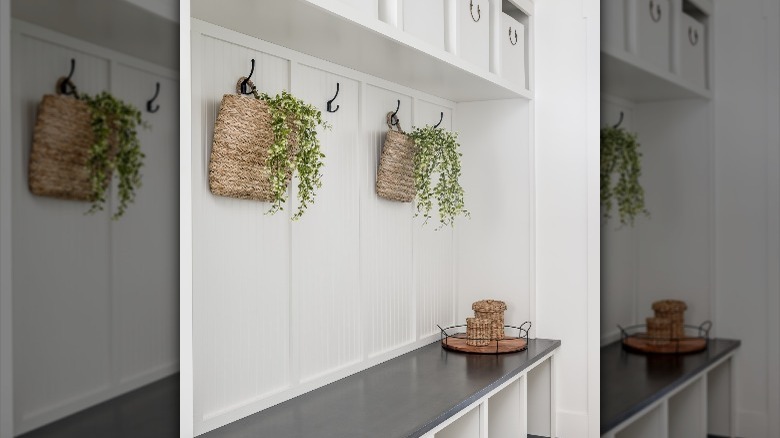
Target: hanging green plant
x=292 y=115
x=437 y=155
x=116 y=150
x=620 y=156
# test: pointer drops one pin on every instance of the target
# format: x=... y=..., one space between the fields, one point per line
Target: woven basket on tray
x=478 y=331
x=395 y=176
x=239 y=152
x=672 y=310
x=62 y=139
x=659 y=330
x=492 y=310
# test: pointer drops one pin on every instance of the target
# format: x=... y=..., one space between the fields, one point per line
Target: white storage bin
x=693 y=42
x=367 y=8
x=613 y=25
x=653 y=33
x=472 y=31
x=512 y=37
x=425 y=19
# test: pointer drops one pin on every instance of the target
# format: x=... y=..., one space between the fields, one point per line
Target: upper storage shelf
x=656 y=49
x=400 y=49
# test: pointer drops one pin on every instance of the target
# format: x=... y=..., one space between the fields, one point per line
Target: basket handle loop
x=240 y=85
x=390 y=124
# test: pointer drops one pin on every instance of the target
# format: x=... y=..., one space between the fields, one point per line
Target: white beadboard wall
x=669 y=253
x=282 y=307
x=95 y=301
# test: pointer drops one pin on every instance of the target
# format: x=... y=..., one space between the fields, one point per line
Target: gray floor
x=149 y=412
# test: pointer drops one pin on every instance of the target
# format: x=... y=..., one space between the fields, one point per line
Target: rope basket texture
x=239 y=152
x=673 y=310
x=62 y=139
x=659 y=330
x=395 y=176
x=478 y=331
x=492 y=310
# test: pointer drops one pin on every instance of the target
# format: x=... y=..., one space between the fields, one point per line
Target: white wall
x=746 y=203
x=711 y=172
x=95 y=301
x=668 y=253
x=285 y=307
x=6 y=314
x=566 y=153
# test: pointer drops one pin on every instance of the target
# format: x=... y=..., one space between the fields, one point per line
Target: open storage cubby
x=687 y=410
x=506 y=408
x=650 y=425
x=667 y=395
x=720 y=412
x=467 y=426
x=540 y=379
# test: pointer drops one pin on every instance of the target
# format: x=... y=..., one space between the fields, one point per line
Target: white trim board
x=6 y=282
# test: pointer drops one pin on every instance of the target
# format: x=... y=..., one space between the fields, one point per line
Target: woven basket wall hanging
x=242 y=138
x=62 y=139
x=395 y=176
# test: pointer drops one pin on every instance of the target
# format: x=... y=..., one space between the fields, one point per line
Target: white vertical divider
x=450 y=27
x=483 y=419
x=295 y=288
x=523 y=429
x=6 y=283
x=495 y=35
x=703 y=405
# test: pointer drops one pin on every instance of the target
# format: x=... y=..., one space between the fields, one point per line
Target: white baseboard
x=48 y=414
x=572 y=424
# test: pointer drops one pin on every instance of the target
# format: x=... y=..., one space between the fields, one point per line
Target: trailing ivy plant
x=116 y=150
x=437 y=155
x=292 y=115
x=620 y=156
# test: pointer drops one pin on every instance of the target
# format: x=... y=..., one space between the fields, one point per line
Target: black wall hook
x=155 y=108
x=441 y=119
x=330 y=102
x=66 y=85
x=620 y=121
x=394 y=116
x=471 y=11
x=246 y=81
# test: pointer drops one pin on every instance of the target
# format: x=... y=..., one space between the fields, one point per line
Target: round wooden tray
x=509 y=344
x=641 y=343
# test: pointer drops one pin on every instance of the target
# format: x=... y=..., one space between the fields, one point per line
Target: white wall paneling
x=391 y=279
x=289 y=306
x=6 y=234
x=145 y=305
x=493 y=246
x=433 y=249
x=565 y=169
x=386 y=232
x=95 y=301
x=326 y=240
x=710 y=171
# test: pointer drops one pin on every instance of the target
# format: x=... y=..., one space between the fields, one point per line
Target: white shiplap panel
x=433 y=248
x=385 y=234
x=494 y=256
x=144 y=242
x=241 y=275
x=326 y=282
x=62 y=331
